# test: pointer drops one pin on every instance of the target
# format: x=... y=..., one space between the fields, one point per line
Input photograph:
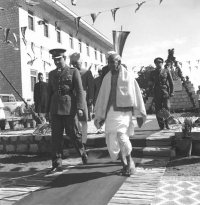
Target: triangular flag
x=23 y=31
x=190 y=68
x=10 y=43
x=25 y=42
x=94 y=16
x=198 y=61
x=77 y=21
x=114 y=12
x=41 y=49
x=73 y=2
x=6 y=33
x=15 y=37
x=188 y=62
x=1 y=27
x=119 y=39
x=161 y=1
x=33 y=47
x=180 y=64
x=197 y=67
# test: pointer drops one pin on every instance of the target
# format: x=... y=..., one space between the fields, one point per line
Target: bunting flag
x=198 y=61
x=23 y=31
x=73 y=2
x=161 y=1
x=188 y=62
x=33 y=47
x=180 y=64
x=15 y=37
x=139 y=5
x=94 y=16
x=1 y=27
x=41 y=49
x=77 y=21
x=41 y=22
x=57 y=24
x=6 y=33
x=119 y=39
x=197 y=67
x=31 y=3
x=113 y=11
x=190 y=68
x=10 y=43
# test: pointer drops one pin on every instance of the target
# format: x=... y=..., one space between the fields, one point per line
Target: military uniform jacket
x=65 y=92
x=163 y=82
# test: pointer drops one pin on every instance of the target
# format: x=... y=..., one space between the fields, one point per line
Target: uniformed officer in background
x=88 y=86
x=65 y=101
x=161 y=86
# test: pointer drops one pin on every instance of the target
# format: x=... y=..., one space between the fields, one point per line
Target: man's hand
x=140 y=121
x=90 y=101
x=171 y=95
x=80 y=112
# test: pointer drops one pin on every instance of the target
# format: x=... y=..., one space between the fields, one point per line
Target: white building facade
x=40 y=38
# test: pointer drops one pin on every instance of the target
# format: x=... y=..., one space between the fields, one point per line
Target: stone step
x=139 y=140
x=138 y=152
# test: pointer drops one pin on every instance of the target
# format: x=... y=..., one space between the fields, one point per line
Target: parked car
x=10 y=101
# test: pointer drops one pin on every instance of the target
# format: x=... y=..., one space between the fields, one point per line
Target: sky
x=154 y=29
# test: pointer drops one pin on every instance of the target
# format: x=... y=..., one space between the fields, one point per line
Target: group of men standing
x=115 y=95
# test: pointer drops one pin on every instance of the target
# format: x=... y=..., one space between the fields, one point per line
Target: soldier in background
x=40 y=97
x=161 y=86
x=65 y=102
x=88 y=87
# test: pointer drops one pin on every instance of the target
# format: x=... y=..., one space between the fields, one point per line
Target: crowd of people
x=115 y=96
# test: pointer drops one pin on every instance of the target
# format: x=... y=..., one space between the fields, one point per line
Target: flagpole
x=121 y=28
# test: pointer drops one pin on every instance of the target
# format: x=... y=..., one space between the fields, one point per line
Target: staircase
x=148 y=142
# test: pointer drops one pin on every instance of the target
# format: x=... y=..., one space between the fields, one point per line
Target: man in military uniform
x=88 y=87
x=65 y=102
x=162 y=87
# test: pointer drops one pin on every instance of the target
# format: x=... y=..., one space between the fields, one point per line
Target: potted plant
x=184 y=140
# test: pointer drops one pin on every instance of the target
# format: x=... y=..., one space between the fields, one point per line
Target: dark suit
x=40 y=97
x=88 y=87
x=163 y=87
x=97 y=86
x=65 y=96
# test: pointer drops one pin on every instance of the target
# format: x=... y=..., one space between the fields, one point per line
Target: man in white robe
x=118 y=101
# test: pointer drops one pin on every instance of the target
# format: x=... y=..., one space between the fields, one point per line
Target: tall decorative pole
x=119 y=39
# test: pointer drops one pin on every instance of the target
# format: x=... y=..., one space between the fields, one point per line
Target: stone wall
x=180 y=100
x=25 y=144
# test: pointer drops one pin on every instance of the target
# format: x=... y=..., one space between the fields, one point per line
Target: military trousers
x=160 y=103
x=69 y=123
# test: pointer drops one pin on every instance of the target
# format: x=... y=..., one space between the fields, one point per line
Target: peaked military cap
x=158 y=60
x=57 y=52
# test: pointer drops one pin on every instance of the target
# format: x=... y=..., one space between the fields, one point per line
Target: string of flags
x=77 y=19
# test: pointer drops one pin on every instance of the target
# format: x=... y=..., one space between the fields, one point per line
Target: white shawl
x=128 y=95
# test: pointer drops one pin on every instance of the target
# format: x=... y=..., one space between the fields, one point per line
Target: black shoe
x=84 y=158
x=161 y=128
x=54 y=170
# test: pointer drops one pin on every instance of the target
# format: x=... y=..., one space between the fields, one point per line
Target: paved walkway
x=98 y=183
